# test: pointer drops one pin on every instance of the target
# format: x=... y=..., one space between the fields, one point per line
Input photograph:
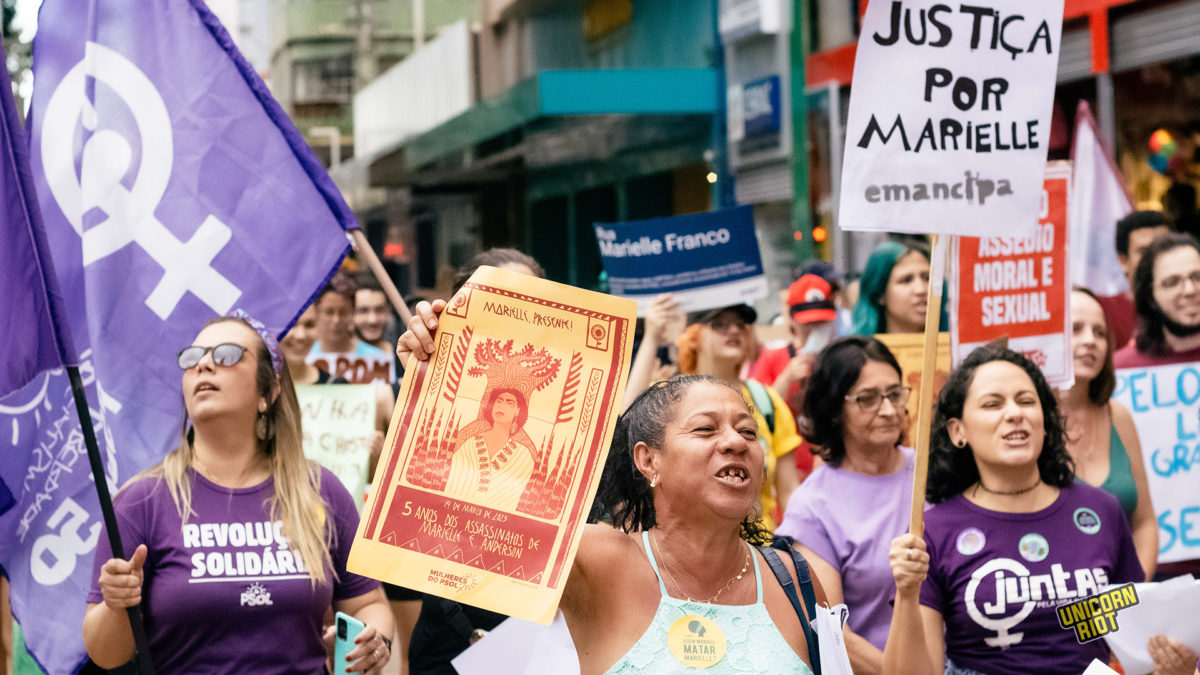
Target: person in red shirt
x=1134 y=233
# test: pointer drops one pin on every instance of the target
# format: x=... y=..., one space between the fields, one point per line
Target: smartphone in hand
x=347 y=628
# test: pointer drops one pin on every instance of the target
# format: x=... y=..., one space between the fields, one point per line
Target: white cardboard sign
x=949 y=117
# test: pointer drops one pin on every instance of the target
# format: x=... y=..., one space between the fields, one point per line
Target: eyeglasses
x=1175 y=281
x=225 y=354
x=871 y=399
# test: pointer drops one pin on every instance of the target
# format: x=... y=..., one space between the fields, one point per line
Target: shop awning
x=562 y=93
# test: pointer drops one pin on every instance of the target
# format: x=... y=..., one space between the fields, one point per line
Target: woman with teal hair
x=893 y=291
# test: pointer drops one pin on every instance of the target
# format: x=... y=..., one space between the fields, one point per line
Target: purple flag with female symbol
x=173 y=189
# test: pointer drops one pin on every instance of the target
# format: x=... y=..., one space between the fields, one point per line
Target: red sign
x=1020 y=288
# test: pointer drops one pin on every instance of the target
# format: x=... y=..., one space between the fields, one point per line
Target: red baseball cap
x=809 y=300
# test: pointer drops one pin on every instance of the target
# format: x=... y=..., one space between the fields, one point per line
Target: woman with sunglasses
x=238 y=544
x=853 y=415
x=1010 y=538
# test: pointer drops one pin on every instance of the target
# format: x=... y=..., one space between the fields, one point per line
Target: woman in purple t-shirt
x=1011 y=535
x=853 y=416
x=239 y=543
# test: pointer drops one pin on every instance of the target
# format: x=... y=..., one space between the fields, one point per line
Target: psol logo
x=255 y=596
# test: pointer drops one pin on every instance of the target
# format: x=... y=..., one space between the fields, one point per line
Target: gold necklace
x=666 y=568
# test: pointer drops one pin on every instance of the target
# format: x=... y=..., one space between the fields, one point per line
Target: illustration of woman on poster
x=494 y=457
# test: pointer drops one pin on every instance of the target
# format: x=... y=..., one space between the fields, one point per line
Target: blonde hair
x=297 y=499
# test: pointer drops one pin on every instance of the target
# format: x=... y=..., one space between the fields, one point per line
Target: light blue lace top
x=754 y=644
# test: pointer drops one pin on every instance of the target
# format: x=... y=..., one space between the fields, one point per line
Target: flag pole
x=364 y=247
x=933 y=313
x=141 y=646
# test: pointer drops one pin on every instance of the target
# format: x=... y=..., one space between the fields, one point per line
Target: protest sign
x=497 y=443
x=338 y=422
x=356 y=368
x=949 y=116
x=706 y=260
x=1164 y=401
x=907 y=348
x=1020 y=288
x=1164 y=608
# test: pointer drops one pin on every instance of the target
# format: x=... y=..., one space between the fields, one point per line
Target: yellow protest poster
x=497 y=443
x=338 y=422
x=906 y=347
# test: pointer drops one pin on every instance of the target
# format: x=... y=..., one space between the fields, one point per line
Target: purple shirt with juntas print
x=998 y=577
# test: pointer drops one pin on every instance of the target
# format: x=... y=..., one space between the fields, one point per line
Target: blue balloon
x=1159 y=163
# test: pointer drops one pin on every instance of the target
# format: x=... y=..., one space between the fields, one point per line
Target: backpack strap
x=789 y=589
x=762 y=401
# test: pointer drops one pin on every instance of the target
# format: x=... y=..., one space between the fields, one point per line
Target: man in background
x=1134 y=233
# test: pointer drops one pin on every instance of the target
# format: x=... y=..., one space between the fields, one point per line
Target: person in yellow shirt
x=717 y=343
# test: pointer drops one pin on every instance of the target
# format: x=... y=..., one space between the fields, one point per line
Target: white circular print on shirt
x=970 y=541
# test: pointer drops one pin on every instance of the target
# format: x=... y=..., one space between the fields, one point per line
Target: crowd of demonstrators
x=853 y=417
x=1101 y=437
x=1134 y=233
x=893 y=290
x=705 y=467
x=239 y=466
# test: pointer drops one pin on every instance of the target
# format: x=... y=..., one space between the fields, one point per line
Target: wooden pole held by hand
x=933 y=313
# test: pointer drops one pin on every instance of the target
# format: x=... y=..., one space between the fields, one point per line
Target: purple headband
x=268 y=339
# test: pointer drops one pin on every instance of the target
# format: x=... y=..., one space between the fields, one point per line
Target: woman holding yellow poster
x=675 y=581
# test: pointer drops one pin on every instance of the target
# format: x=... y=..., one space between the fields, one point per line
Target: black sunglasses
x=225 y=354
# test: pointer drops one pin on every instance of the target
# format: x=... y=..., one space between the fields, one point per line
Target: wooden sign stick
x=381 y=275
x=933 y=313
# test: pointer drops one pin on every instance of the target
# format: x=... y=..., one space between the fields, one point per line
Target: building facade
x=581 y=111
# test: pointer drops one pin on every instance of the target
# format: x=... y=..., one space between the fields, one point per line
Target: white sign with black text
x=949 y=117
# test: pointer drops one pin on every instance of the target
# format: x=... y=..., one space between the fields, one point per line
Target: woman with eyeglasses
x=1011 y=537
x=238 y=543
x=847 y=511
